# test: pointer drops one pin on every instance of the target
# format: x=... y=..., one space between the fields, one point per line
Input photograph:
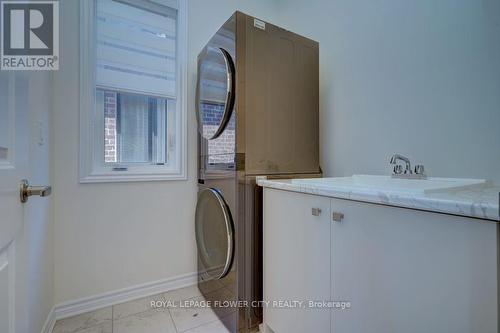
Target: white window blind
x=136 y=46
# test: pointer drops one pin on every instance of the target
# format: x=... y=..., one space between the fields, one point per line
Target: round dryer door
x=214 y=233
x=215 y=91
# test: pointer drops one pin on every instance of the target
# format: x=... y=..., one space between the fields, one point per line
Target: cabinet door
x=412 y=271
x=296 y=260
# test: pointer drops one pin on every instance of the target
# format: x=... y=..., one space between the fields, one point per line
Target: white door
x=14 y=146
x=15 y=130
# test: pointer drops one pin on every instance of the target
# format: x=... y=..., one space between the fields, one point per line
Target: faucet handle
x=419 y=169
x=398 y=169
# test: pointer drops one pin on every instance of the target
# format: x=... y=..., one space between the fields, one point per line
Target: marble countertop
x=481 y=202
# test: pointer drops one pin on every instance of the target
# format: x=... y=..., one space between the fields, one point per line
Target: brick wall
x=212 y=114
x=110 y=136
x=220 y=150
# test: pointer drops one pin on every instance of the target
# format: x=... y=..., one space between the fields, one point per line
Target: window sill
x=130 y=177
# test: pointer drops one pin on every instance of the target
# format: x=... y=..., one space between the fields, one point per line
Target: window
x=136 y=128
x=133 y=90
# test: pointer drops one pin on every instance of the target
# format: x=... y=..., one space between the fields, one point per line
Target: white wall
x=112 y=236
x=420 y=78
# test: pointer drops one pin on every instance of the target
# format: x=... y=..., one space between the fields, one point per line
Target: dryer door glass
x=215 y=91
x=214 y=233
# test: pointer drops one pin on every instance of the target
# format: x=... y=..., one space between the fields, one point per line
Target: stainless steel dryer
x=257 y=108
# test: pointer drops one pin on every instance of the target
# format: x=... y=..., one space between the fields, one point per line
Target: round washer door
x=214 y=233
x=215 y=91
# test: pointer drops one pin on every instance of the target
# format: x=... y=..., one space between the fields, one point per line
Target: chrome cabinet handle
x=316 y=211
x=419 y=169
x=337 y=216
x=26 y=191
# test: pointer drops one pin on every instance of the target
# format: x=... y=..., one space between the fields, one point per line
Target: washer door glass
x=214 y=233
x=215 y=91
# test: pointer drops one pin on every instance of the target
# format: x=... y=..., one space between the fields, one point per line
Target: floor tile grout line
x=172 y=318
x=162 y=295
x=86 y=326
x=207 y=323
x=141 y=312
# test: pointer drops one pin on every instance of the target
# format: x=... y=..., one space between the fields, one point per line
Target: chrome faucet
x=408 y=173
x=394 y=160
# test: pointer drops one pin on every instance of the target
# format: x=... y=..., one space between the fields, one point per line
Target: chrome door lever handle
x=27 y=191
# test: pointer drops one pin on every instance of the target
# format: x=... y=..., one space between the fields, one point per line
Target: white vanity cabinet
x=402 y=270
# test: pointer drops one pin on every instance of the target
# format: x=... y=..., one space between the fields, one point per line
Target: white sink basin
x=389 y=184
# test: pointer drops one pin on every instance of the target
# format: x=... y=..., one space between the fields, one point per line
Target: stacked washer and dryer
x=257 y=108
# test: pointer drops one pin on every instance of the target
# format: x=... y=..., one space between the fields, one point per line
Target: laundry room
x=271 y=166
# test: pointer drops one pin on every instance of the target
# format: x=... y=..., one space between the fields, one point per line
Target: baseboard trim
x=76 y=307
x=48 y=326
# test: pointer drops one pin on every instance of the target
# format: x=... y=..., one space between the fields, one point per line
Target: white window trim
x=88 y=172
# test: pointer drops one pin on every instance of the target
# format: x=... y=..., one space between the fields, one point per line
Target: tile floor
x=139 y=317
